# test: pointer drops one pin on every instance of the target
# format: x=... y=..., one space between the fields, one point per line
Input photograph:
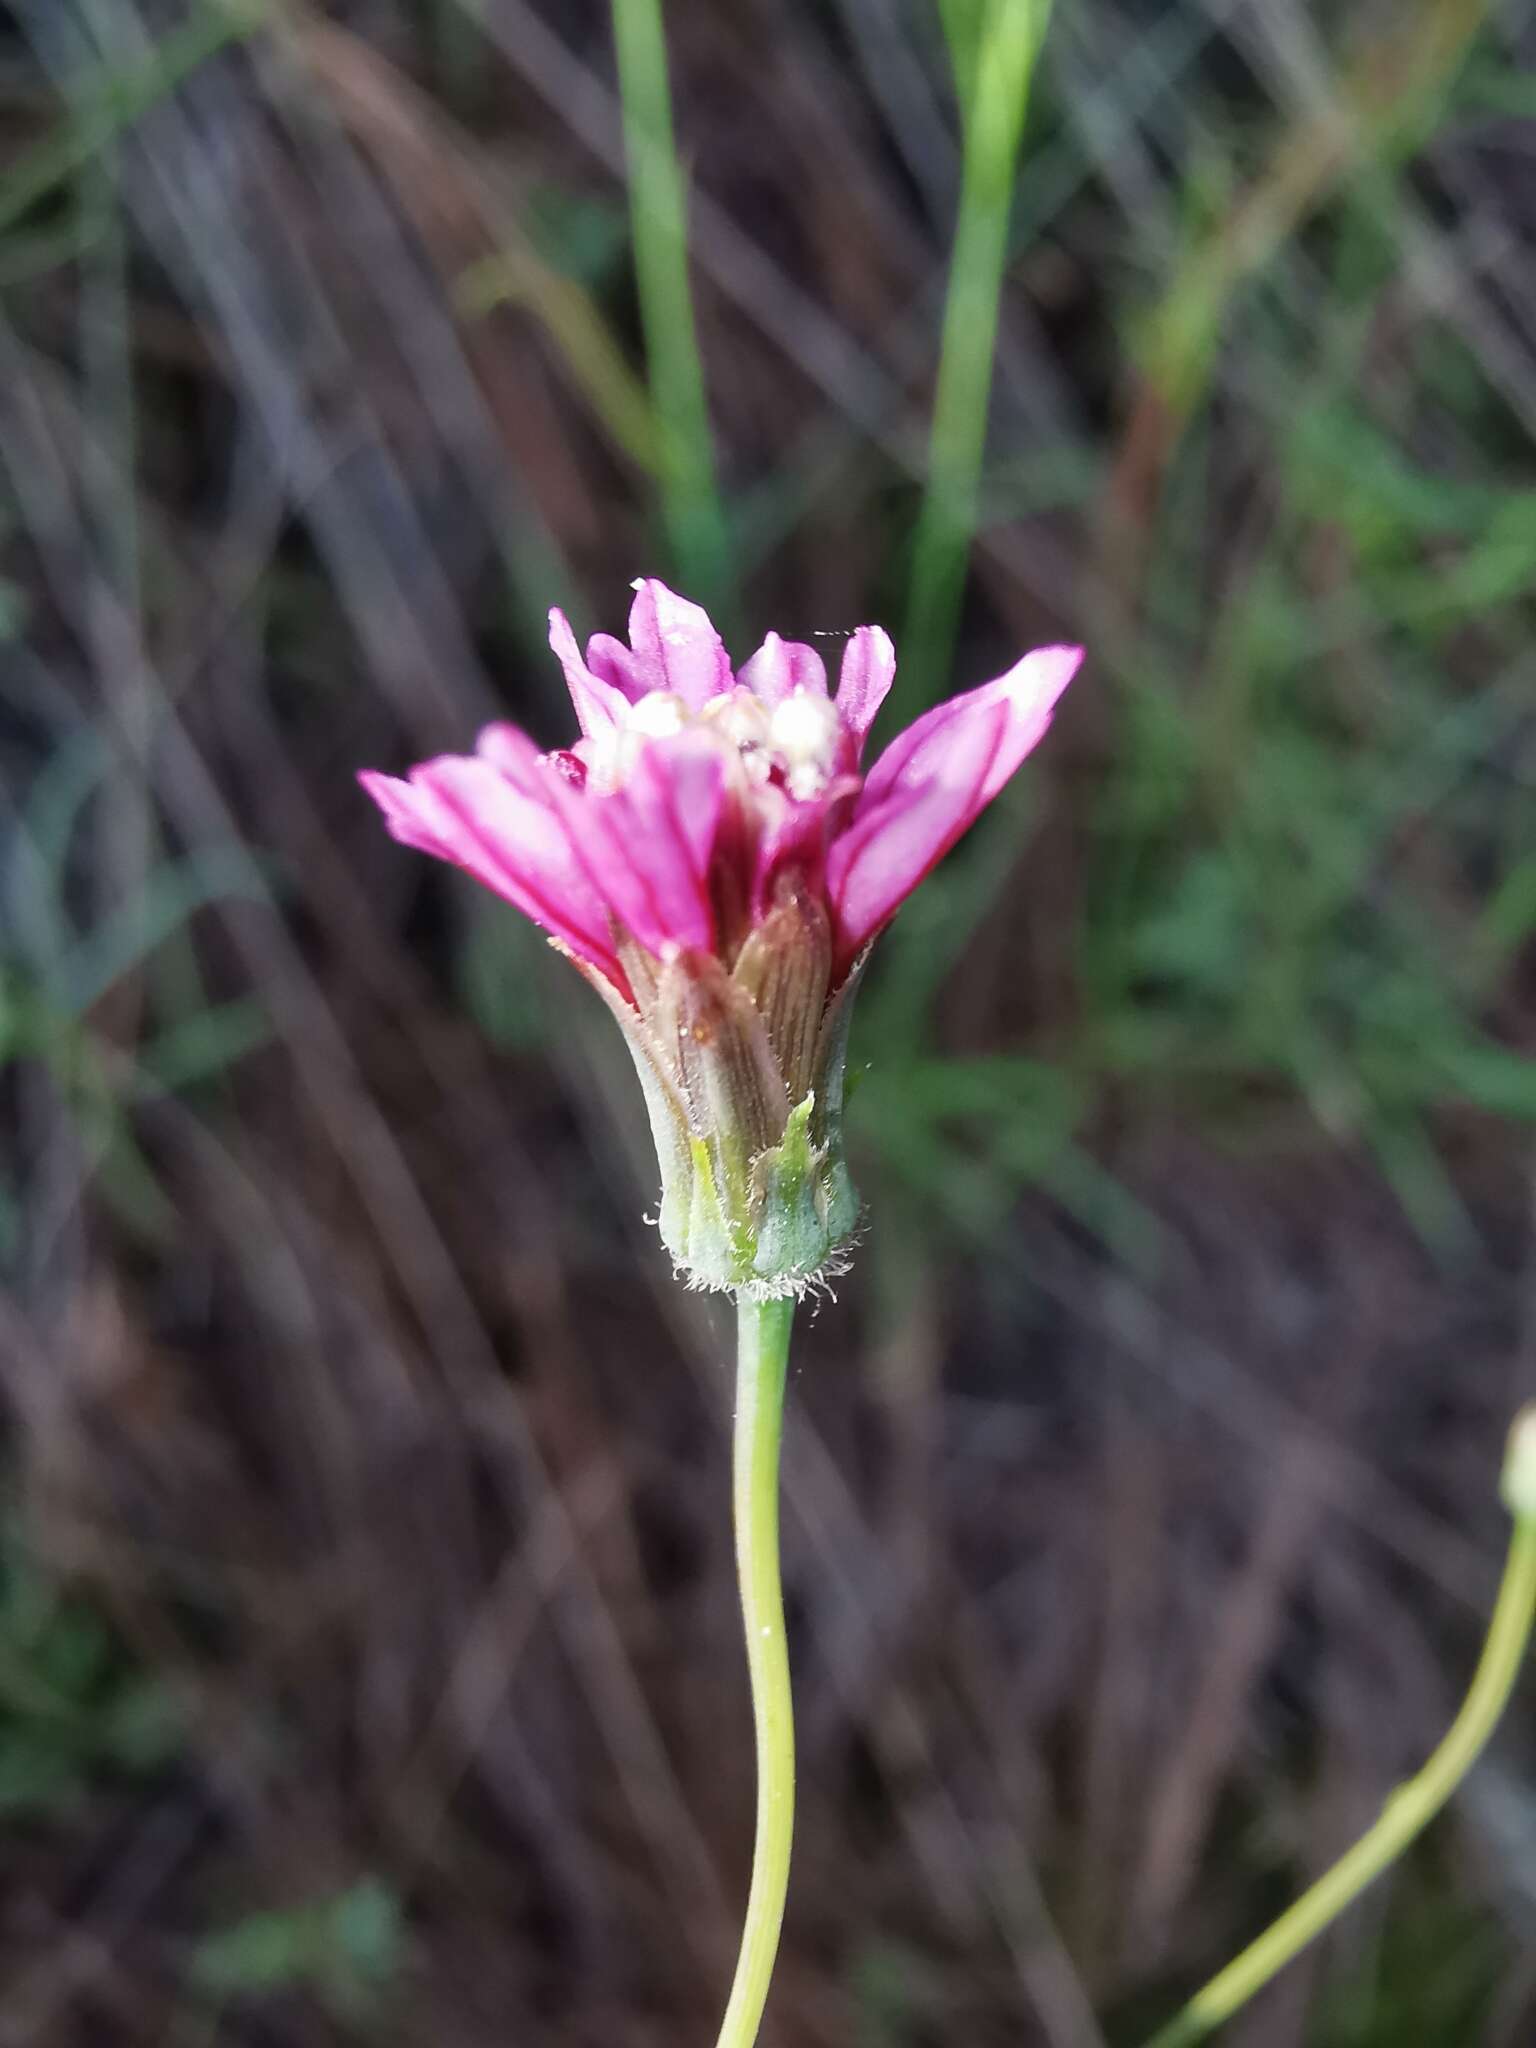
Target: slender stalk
x=690 y=501
x=1408 y=1810
x=994 y=65
x=114 y=98
x=762 y=1362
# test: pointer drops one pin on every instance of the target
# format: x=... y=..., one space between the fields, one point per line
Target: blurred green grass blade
x=118 y=101
x=501 y=971
x=60 y=791
x=924 y=944
x=1131 y=1233
x=605 y=379
x=205 y=1042
x=963 y=22
x=691 y=507
x=1418 y=1177
x=1508 y=920
x=962 y=1193
x=994 y=45
x=553 y=275
x=346 y=1946
x=146 y=920
x=1493 y=1077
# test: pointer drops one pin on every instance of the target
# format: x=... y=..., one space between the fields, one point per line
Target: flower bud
x=743 y=1078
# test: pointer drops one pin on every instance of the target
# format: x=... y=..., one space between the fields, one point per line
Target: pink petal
x=675 y=646
x=600 y=706
x=527 y=767
x=646 y=846
x=509 y=750
x=611 y=662
x=780 y=667
x=895 y=840
x=930 y=784
x=793 y=832
x=464 y=810
x=404 y=812
x=869 y=664
x=1027 y=695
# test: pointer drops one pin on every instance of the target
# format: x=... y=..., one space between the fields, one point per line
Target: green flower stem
x=995 y=44
x=1408 y=1810
x=762 y=1363
x=691 y=507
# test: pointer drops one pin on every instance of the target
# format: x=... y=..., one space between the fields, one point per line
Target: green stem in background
x=994 y=45
x=691 y=506
x=116 y=97
x=762 y=1363
x=1413 y=1805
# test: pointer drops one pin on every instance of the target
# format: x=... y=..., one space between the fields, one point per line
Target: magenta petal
x=600 y=706
x=509 y=749
x=675 y=646
x=930 y=784
x=465 y=810
x=869 y=665
x=612 y=662
x=405 y=814
x=893 y=842
x=1027 y=695
x=793 y=833
x=781 y=667
x=646 y=845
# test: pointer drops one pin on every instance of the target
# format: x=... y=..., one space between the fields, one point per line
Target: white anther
x=803 y=734
x=738 y=718
x=657 y=714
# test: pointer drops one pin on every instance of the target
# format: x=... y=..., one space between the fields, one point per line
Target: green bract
x=743 y=1077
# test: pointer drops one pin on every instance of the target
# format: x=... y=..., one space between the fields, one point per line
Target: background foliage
x=368 y=1660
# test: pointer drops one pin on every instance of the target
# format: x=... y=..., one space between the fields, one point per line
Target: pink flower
x=694 y=790
x=712 y=854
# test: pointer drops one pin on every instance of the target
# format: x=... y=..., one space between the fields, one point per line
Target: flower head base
x=712 y=858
